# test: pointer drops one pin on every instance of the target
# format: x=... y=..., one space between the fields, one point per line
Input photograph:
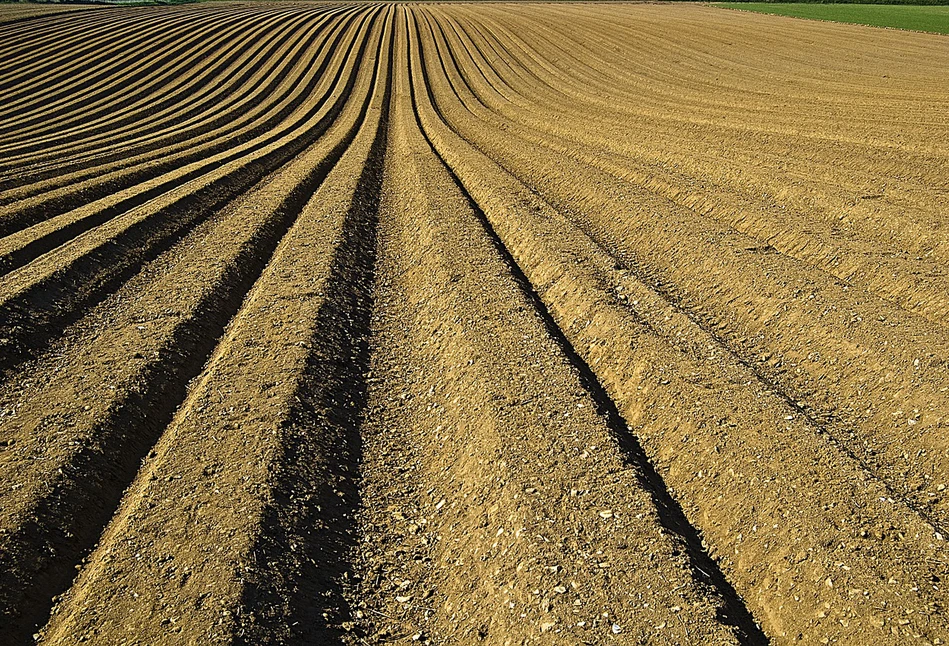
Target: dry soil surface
x=461 y=324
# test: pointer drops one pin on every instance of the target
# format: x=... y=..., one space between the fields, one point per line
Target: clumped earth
x=502 y=324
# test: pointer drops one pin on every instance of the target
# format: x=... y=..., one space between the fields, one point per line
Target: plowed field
x=455 y=324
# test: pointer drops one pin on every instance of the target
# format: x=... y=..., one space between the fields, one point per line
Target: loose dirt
x=452 y=324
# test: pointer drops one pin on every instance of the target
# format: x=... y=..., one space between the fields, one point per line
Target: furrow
x=906 y=274
x=91 y=433
x=38 y=299
x=564 y=323
x=758 y=313
x=23 y=56
x=86 y=119
x=773 y=521
x=241 y=49
x=249 y=486
x=450 y=148
x=23 y=39
x=111 y=57
x=25 y=107
x=120 y=184
x=32 y=14
x=477 y=421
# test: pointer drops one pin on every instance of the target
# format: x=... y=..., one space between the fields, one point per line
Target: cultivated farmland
x=453 y=324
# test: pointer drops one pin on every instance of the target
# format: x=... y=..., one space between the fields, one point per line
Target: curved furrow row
x=851 y=158
x=51 y=54
x=254 y=84
x=245 y=441
x=634 y=91
x=139 y=78
x=466 y=164
x=533 y=141
x=513 y=323
x=221 y=86
x=33 y=15
x=109 y=60
x=76 y=209
x=20 y=42
x=891 y=277
x=794 y=66
x=173 y=312
x=196 y=73
x=269 y=101
x=619 y=141
x=767 y=486
x=829 y=330
x=54 y=32
x=37 y=299
x=861 y=256
x=494 y=417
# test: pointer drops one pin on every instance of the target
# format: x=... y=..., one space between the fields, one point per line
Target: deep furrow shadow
x=295 y=591
x=733 y=611
x=34 y=318
x=37 y=562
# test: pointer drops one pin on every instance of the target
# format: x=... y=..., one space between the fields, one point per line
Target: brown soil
x=14 y=12
x=451 y=324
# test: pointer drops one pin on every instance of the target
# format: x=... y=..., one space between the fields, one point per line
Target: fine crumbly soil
x=16 y=11
x=507 y=324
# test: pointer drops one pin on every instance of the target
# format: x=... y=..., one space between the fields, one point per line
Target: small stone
x=606 y=513
x=404 y=599
x=616 y=629
x=560 y=589
x=547 y=626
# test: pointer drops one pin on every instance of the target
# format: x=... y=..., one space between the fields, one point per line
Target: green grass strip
x=933 y=19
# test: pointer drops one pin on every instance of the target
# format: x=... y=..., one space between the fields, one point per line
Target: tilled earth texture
x=461 y=324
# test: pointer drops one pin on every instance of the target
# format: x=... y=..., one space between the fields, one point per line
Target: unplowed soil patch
x=471 y=323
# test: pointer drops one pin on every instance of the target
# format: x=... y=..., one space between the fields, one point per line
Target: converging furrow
x=504 y=323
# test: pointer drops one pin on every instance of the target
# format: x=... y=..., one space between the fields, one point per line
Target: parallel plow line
x=586 y=214
x=133 y=180
x=669 y=511
x=512 y=220
x=121 y=182
x=102 y=456
x=357 y=323
x=199 y=68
